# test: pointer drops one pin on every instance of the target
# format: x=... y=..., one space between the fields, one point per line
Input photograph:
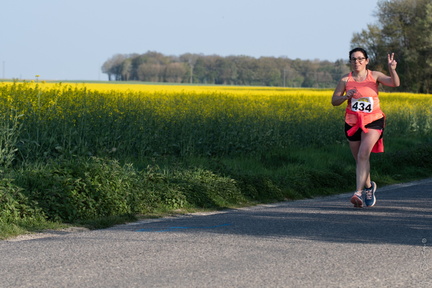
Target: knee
x=363 y=156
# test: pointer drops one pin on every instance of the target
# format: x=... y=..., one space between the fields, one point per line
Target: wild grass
x=98 y=154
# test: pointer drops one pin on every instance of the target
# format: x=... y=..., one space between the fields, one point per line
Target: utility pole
x=4 y=64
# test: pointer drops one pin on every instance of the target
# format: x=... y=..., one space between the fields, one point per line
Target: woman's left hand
x=391 y=61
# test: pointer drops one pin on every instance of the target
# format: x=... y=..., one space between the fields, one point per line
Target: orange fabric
x=358 y=119
x=360 y=124
x=366 y=88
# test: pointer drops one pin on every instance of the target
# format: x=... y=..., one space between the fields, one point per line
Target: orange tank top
x=365 y=101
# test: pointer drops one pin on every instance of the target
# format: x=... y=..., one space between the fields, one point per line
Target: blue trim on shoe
x=370 y=198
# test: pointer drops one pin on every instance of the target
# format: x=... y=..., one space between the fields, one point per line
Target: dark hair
x=358 y=50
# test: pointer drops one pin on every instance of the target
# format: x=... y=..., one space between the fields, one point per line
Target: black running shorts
x=377 y=124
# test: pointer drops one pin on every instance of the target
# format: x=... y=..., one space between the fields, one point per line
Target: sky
x=71 y=39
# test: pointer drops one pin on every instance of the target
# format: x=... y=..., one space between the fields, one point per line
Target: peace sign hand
x=391 y=61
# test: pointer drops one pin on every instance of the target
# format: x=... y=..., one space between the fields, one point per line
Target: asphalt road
x=322 y=242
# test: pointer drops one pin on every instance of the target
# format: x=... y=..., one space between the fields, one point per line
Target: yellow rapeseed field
x=141 y=120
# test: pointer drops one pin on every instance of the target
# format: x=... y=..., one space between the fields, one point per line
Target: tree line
x=231 y=70
x=404 y=27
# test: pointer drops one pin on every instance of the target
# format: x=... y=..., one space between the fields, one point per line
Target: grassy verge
x=98 y=192
x=98 y=155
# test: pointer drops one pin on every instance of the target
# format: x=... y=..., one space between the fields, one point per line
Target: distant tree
x=405 y=28
x=176 y=72
x=113 y=66
x=126 y=69
x=150 y=72
x=213 y=67
x=268 y=72
x=190 y=60
x=371 y=40
x=200 y=70
x=225 y=71
x=246 y=70
x=291 y=77
x=340 y=67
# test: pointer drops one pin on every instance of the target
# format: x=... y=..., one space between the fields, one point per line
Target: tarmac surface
x=322 y=242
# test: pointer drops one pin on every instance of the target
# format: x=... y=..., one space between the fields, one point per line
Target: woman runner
x=364 y=119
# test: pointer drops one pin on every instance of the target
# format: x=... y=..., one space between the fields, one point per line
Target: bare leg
x=361 y=151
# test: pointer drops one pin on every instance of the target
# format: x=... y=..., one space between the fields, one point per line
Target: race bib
x=364 y=104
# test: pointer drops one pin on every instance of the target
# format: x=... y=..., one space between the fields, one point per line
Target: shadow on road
x=403 y=215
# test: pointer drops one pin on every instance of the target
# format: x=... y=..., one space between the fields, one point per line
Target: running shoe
x=357 y=200
x=370 y=198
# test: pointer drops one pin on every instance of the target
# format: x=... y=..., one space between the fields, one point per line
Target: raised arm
x=393 y=79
